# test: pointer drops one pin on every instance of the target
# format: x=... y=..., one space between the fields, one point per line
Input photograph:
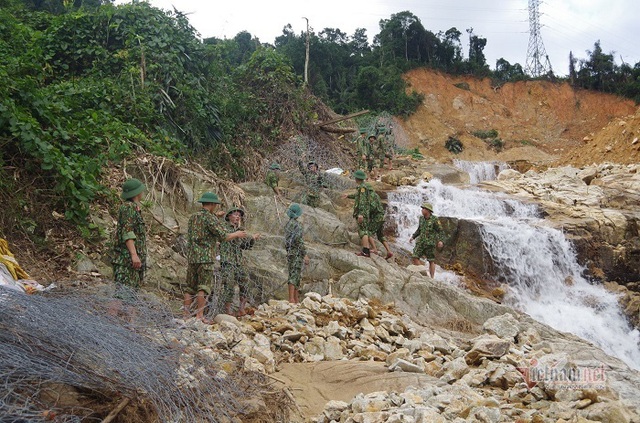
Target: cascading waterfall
x=537 y=262
x=480 y=171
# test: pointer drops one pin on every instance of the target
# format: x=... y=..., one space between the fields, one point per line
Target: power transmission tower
x=537 y=60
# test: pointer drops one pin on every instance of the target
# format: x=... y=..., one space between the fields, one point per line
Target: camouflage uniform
x=130 y=226
x=231 y=267
x=272 y=179
x=361 y=149
x=380 y=149
x=428 y=234
x=370 y=153
x=204 y=231
x=313 y=182
x=367 y=203
x=296 y=251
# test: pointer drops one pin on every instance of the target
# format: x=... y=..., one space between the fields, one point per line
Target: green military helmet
x=231 y=210
x=312 y=163
x=427 y=206
x=359 y=174
x=209 y=197
x=275 y=166
x=363 y=130
x=131 y=188
x=294 y=210
x=372 y=135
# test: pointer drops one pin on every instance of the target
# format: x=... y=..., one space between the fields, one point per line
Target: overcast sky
x=566 y=25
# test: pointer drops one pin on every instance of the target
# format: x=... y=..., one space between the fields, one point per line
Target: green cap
x=231 y=210
x=275 y=166
x=209 y=197
x=312 y=163
x=131 y=188
x=359 y=174
x=294 y=210
x=427 y=206
x=363 y=130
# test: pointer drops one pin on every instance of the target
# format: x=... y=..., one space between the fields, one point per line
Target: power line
x=537 y=59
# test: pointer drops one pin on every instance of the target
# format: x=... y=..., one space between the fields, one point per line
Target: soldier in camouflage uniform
x=313 y=182
x=429 y=235
x=272 y=178
x=361 y=149
x=231 y=266
x=130 y=243
x=296 y=251
x=371 y=151
x=204 y=231
x=369 y=214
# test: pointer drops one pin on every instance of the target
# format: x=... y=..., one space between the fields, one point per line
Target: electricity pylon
x=537 y=60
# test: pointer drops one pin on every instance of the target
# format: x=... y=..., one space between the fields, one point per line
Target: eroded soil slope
x=538 y=121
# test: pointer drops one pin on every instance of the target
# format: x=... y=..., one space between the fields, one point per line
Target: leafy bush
x=491 y=133
x=462 y=86
x=454 y=145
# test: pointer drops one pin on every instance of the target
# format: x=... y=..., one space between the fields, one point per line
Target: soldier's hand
x=256 y=236
x=306 y=260
x=440 y=244
x=360 y=218
x=241 y=234
x=410 y=239
x=343 y=196
x=135 y=261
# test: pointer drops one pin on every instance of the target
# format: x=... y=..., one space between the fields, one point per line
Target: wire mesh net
x=73 y=357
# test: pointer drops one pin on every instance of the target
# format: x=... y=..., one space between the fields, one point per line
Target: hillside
x=539 y=121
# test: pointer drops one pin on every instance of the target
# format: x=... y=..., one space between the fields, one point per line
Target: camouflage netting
x=71 y=358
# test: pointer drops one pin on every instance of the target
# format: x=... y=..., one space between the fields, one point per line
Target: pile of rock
x=506 y=373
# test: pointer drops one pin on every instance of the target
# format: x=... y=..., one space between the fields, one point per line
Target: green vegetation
x=413 y=152
x=454 y=145
x=491 y=138
x=491 y=133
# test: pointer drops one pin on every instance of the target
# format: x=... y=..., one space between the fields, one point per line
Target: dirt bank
x=553 y=118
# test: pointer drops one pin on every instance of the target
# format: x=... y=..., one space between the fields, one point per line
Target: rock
x=455 y=369
x=333 y=349
x=487 y=347
x=505 y=326
x=333 y=409
x=226 y=318
x=405 y=366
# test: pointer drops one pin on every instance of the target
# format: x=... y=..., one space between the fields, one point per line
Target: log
x=336 y=130
x=340 y=119
x=116 y=410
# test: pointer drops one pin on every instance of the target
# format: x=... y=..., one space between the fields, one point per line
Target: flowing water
x=537 y=262
x=480 y=171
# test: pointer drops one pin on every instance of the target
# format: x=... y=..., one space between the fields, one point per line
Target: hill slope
x=553 y=118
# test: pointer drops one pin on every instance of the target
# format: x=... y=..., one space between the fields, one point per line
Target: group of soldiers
x=210 y=227
x=376 y=150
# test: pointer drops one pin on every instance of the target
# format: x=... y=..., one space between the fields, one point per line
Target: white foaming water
x=480 y=171
x=537 y=262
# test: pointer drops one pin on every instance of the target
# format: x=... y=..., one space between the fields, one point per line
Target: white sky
x=567 y=25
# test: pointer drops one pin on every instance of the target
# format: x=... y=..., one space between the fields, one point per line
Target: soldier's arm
x=416 y=234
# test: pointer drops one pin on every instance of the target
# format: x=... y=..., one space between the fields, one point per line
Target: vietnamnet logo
x=560 y=375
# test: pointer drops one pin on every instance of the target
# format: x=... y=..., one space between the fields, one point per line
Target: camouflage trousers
x=128 y=281
x=199 y=278
x=294 y=265
x=231 y=275
x=424 y=248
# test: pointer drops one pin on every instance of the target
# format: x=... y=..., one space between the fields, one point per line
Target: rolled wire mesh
x=74 y=341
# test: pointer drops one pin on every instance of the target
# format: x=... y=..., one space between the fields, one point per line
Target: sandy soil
x=314 y=384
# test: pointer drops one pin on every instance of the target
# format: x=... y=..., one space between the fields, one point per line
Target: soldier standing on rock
x=231 y=265
x=296 y=251
x=313 y=181
x=272 y=179
x=130 y=244
x=429 y=235
x=369 y=214
x=205 y=230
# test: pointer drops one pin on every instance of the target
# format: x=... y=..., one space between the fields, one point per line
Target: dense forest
x=85 y=83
